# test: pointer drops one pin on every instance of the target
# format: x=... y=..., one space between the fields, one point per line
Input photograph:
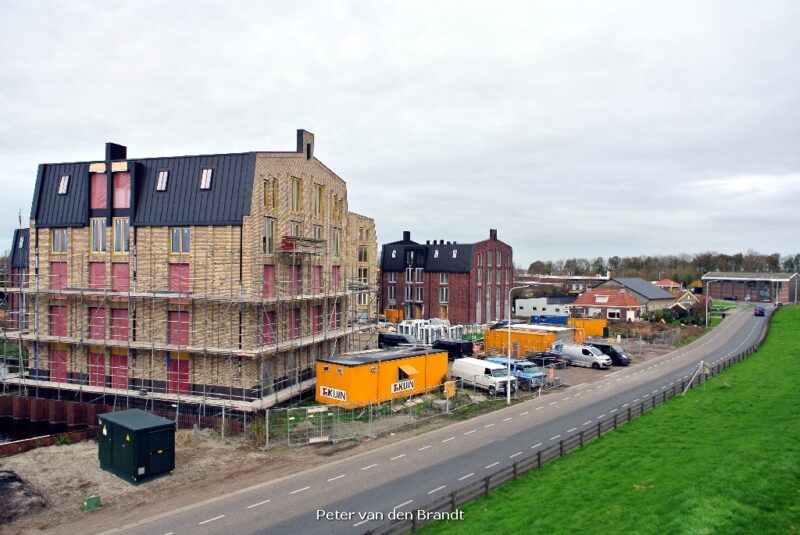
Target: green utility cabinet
x=135 y=445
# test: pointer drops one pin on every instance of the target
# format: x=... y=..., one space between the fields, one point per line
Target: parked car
x=584 y=355
x=546 y=358
x=619 y=357
x=456 y=349
x=527 y=374
x=393 y=340
x=759 y=311
x=485 y=375
x=729 y=298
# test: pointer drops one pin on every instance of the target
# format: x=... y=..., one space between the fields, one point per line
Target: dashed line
x=257 y=504
x=618 y=380
x=448 y=439
x=655 y=391
x=423 y=448
x=401 y=505
x=647 y=395
x=627 y=404
x=571 y=430
x=636 y=400
x=514 y=455
x=437 y=489
x=612 y=411
x=210 y=520
x=536 y=446
x=565 y=399
x=469 y=432
x=601 y=416
x=553 y=403
x=337 y=477
x=587 y=423
x=397 y=457
x=578 y=394
x=507 y=419
x=664 y=387
x=370 y=466
x=488 y=425
x=493 y=464
x=555 y=437
x=539 y=408
x=523 y=413
x=462 y=478
x=301 y=490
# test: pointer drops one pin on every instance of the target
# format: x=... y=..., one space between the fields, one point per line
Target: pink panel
x=97 y=323
x=179 y=278
x=268 y=330
x=179 y=328
x=122 y=190
x=58 y=275
x=269 y=281
x=120 y=277
x=58 y=366
x=178 y=377
x=316 y=319
x=97 y=369
x=119 y=324
x=294 y=280
x=119 y=371
x=58 y=321
x=335 y=279
x=317 y=280
x=97 y=275
x=99 y=191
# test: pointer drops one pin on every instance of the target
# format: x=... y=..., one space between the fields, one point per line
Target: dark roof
x=642 y=287
x=433 y=257
x=378 y=355
x=737 y=275
x=50 y=209
x=136 y=419
x=18 y=258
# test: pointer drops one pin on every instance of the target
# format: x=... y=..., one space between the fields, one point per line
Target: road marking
x=514 y=455
x=571 y=430
x=299 y=490
x=612 y=410
x=488 y=425
x=618 y=380
x=655 y=391
x=370 y=466
x=565 y=399
x=553 y=403
x=625 y=405
x=635 y=400
x=493 y=464
x=672 y=383
x=397 y=457
x=578 y=394
x=396 y=507
x=664 y=387
x=462 y=478
x=601 y=416
x=210 y=520
x=647 y=395
x=448 y=439
x=507 y=419
x=587 y=423
x=523 y=413
x=257 y=504
x=437 y=489
x=468 y=432
x=337 y=477
x=423 y=448
x=555 y=437
x=539 y=408
x=536 y=446
x=362 y=522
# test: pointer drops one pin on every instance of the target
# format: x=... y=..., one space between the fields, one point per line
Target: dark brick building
x=464 y=283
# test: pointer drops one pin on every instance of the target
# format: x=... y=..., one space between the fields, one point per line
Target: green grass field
x=721 y=460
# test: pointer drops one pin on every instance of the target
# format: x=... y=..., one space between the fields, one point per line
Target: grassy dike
x=721 y=460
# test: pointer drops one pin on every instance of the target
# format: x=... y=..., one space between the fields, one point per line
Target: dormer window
x=601 y=299
x=161 y=183
x=394 y=253
x=436 y=253
x=63 y=184
x=205 y=179
x=455 y=253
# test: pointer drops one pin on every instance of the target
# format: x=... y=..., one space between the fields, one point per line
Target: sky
x=577 y=129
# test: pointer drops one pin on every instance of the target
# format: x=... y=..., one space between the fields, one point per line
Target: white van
x=583 y=355
x=486 y=375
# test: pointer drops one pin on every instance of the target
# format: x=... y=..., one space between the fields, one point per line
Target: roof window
x=63 y=184
x=205 y=179
x=161 y=183
x=436 y=253
x=455 y=253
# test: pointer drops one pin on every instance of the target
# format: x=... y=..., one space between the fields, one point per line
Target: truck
x=527 y=374
x=482 y=374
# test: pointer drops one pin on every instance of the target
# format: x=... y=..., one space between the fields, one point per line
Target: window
x=98 y=230
x=58 y=237
x=420 y=274
x=58 y=321
x=335 y=278
x=498 y=274
x=317 y=232
x=319 y=197
x=294 y=279
x=392 y=293
x=122 y=190
x=409 y=275
x=480 y=259
x=335 y=241
x=97 y=275
x=360 y=233
x=455 y=253
x=179 y=278
x=366 y=234
x=499 y=257
x=120 y=277
x=297 y=194
x=362 y=253
x=21 y=242
x=316 y=279
x=179 y=240
x=392 y=277
x=63 y=184
x=99 y=188
x=295 y=229
x=269 y=281
x=121 y=234
x=613 y=314
x=444 y=278
x=275 y=191
x=58 y=275
x=480 y=276
x=436 y=253
x=268 y=240
x=419 y=293
x=179 y=328
x=161 y=183
x=394 y=253
x=409 y=293
x=119 y=324
x=268 y=328
x=205 y=178
x=443 y=295
x=362 y=275
x=97 y=323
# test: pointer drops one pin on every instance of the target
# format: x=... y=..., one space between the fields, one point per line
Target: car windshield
x=526 y=368
x=618 y=349
x=595 y=351
x=499 y=372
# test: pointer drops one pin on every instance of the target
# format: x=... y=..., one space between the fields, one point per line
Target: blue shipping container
x=549 y=320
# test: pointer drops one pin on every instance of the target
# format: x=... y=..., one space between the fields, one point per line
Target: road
x=351 y=495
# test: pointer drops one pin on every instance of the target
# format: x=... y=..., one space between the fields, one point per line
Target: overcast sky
x=575 y=129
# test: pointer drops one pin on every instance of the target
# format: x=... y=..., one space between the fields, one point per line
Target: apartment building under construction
x=193 y=278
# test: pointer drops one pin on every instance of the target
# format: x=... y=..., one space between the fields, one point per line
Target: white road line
x=553 y=403
x=536 y=446
x=539 y=408
x=612 y=410
x=514 y=455
x=601 y=416
x=397 y=457
x=578 y=394
x=555 y=437
x=437 y=489
x=370 y=466
x=396 y=507
x=565 y=399
x=448 y=439
x=257 y=504
x=337 y=477
x=672 y=383
x=664 y=387
x=493 y=464
x=362 y=522
x=210 y=520
x=647 y=395
x=587 y=423
x=636 y=400
x=423 y=448
x=299 y=490
x=655 y=391
x=571 y=430
x=618 y=380
x=523 y=413
x=488 y=425
x=469 y=432
x=625 y=405
x=506 y=419
x=462 y=478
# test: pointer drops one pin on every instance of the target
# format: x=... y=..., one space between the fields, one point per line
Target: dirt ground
x=205 y=468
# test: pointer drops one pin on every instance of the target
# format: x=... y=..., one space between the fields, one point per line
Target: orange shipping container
x=393 y=315
x=522 y=342
x=590 y=326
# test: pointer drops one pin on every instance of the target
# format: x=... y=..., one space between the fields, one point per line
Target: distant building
x=464 y=283
x=554 y=305
x=567 y=283
x=609 y=303
x=646 y=294
x=761 y=287
x=669 y=285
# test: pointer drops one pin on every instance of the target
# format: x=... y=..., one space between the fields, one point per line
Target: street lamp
x=707 y=297
x=508 y=327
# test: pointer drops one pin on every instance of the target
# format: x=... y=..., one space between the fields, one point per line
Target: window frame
x=181 y=232
x=63 y=185
x=268 y=236
x=60 y=237
x=127 y=239
x=103 y=246
x=296 y=198
x=335 y=239
x=206 y=178
x=162 y=180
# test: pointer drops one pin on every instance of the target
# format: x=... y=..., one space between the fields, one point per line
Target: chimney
x=493 y=234
x=406 y=235
x=305 y=143
x=116 y=152
x=427 y=242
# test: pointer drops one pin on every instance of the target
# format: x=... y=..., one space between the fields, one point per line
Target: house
x=608 y=303
x=190 y=277
x=686 y=303
x=651 y=297
x=761 y=287
x=669 y=285
x=570 y=284
x=554 y=305
x=463 y=283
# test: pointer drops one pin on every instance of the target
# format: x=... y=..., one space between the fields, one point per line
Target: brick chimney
x=406 y=235
x=493 y=234
x=116 y=152
x=305 y=143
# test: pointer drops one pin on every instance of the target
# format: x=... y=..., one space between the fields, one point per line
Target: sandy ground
x=205 y=468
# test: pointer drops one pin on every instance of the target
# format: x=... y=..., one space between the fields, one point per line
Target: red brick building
x=464 y=283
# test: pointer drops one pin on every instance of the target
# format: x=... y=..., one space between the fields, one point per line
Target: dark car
x=619 y=357
x=455 y=348
x=729 y=298
x=393 y=340
x=547 y=358
x=759 y=311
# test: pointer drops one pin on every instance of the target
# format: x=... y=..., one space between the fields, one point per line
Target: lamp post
x=508 y=328
x=707 y=296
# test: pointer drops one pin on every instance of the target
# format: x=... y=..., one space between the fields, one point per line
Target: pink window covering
x=317 y=280
x=335 y=317
x=119 y=371
x=58 y=366
x=178 y=376
x=294 y=280
x=97 y=369
x=97 y=323
x=120 y=277
x=316 y=319
x=269 y=281
x=119 y=324
x=58 y=275
x=58 y=321
x=122 y=190
x=179 y=328
x=335 y=279
x=294 y=323
x=268 y=330
x=97 y=275
x=99 y=191
x=179 y=278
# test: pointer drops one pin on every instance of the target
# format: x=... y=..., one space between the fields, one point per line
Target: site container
x=590 y=326
x=393 y=315
x=522 y=342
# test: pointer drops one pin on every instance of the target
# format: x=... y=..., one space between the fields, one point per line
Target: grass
x=721 y=460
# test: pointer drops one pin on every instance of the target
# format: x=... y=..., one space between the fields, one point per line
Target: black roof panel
x=19 y=255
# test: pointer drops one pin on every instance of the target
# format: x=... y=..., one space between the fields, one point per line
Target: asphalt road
x=343 y=496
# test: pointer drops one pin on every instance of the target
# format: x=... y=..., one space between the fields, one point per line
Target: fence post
x=266 y=429
x=629 y=414
x=514 y=466
x=539 y=459
x=223 y=421
x=654 y=402
x=581 y=439
x=615 y=421
x=486 y=486
x=560 y=448
x=598 y=429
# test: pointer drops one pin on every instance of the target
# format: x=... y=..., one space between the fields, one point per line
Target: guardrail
x=450 y=502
